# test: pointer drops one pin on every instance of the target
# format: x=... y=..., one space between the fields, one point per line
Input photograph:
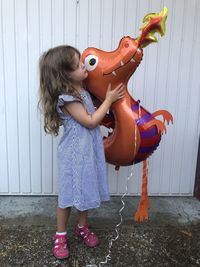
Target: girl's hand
x=115 y=94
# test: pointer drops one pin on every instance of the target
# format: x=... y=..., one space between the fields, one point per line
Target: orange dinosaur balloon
x=136 y=131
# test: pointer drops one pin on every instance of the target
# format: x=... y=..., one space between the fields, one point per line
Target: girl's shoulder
x=63 y=98
x=83 y=91
x=67 y=98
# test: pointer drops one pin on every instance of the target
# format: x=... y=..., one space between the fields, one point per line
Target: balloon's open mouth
x=112 y=69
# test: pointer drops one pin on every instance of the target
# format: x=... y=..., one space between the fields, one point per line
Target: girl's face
x=80 y=73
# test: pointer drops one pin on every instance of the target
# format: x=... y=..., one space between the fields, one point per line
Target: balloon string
x=139 y=112
x=108 y=256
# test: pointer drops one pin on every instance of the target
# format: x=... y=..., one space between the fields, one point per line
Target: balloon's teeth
x=122 y=63
x=132 y=60
x=114 y=73
x=108 y=132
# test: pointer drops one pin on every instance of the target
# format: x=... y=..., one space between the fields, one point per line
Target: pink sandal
x=89 y=238
x=60 y=249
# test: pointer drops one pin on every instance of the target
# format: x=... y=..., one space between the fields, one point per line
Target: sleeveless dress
x=82 y=175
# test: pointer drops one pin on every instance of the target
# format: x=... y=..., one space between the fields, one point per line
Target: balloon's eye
x=91 y=62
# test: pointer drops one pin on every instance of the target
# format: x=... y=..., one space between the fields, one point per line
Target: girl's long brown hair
x=55 y=66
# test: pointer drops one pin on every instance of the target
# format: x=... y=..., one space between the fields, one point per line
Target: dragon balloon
x=136 y=132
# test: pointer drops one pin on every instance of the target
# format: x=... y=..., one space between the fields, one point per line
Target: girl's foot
x=60 y=249
x=84 y=233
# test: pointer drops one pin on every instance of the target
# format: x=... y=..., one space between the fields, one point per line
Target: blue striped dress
x=82 y=176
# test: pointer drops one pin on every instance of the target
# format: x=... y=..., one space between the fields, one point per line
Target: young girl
x=81 y=161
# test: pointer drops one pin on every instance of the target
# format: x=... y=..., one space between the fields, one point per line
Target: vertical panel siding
x=184 y=77
x=82 y=25
x=4 y=186
x=9 y=42
x=45 y=43
x=159 y=183
x=21 y=54
x=70 y=22
x=167 y=78
x=33 y=21
x=58 y=38
x=106 y=25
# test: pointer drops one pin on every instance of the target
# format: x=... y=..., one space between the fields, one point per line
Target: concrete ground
x=170 y=238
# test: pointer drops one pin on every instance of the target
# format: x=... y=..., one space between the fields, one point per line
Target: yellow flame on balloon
x=150 y=26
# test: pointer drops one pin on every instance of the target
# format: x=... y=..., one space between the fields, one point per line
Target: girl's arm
x=97 y=103
x=79 y=113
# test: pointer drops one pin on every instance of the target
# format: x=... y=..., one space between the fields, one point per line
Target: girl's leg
x=82 y=230
x=62 y=219
x=60 y=249
x=82 y=217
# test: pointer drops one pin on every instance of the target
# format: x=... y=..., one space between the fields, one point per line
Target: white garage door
x=168 y=78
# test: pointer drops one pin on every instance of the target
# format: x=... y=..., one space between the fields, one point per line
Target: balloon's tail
x=144 y=205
